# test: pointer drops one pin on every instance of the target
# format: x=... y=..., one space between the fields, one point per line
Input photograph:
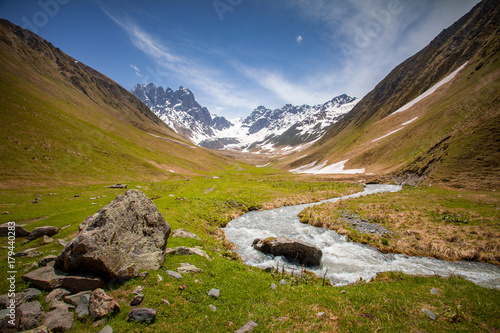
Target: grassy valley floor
x=393 y=302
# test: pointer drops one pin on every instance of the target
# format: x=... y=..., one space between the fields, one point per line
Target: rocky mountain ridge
x=263 y=130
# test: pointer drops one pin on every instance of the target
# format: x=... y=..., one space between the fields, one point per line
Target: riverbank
x=440 y=223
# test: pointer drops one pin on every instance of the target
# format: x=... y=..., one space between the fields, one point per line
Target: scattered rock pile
x=122 y=238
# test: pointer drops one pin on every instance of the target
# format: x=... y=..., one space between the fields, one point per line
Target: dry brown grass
x=444 y=225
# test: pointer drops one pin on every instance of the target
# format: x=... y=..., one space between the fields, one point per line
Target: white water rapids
x=345 y=261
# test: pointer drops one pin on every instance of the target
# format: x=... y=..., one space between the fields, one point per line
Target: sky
x=235 y=55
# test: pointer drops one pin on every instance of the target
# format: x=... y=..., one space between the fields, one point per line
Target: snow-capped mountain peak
x=264 y=129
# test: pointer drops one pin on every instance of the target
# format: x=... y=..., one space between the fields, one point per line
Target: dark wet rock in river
x=292 y=249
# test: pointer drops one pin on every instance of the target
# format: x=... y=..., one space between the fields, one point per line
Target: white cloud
x=299 y=39
x=137 y=70
x=211 y=83
x=372 y=37
x=306 y=92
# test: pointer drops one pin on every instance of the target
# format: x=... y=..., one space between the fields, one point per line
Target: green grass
x=393 y=302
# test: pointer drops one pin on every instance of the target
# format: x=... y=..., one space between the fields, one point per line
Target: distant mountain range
x=286 y=128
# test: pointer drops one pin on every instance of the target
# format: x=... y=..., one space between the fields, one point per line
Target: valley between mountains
x=116 y=205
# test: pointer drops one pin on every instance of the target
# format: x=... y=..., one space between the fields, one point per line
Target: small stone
x=56 y=294
x=29 y=253
x=56 y=304
x=59 y=320
x=144 y=274
x=283 y=282
x=343 y=292
x=45 y=260
x=31 y=293
x=273 y=286
x=63 y=242
x=160 y=278
x=31 y=313
x=212 y=307
x=248 y=327
x=137 y=300
x=47 y=240
x=183 y=287
x=321 y=315
x=429 y=314
x=31 y=266
x=188 y=268
x=76 y=298
x=142 y=314
x=434 y=291
x=76 y=284
x=82 y=310
x=170 y=251
x=100 y=304
x=182 y=250
x=106 y=329
x=43 y=231
x=138 y=290
x=173 y=274
x=214 y=292
x=100 y=322
x=184 y=233
x=5 y=228
x=3 y=315
x=165 y=301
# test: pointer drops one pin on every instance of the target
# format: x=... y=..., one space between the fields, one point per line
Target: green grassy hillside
x=66 y=123
x=455 y=135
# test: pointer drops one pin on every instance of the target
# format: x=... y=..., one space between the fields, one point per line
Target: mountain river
x=343 y=262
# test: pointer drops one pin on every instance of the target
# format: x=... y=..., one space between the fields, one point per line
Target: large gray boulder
x=292 y=249
x=127 y=235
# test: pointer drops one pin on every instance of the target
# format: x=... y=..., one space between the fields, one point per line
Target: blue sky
x=238 y=54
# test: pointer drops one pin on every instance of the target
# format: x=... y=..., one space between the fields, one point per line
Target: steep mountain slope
x=66 y=123
x=263 y=130
x=451 y=136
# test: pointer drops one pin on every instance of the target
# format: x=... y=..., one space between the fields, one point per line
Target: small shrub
x=455 y=218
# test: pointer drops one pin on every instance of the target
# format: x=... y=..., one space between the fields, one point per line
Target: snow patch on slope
x=431 y=90
x=323 y=169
